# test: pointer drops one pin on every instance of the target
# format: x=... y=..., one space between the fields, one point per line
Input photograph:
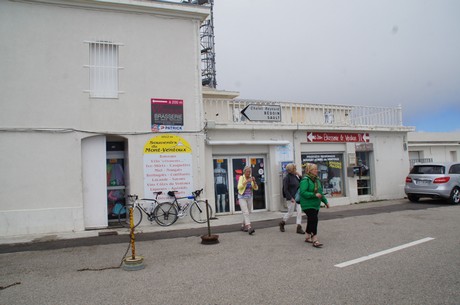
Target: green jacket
x=308 y=200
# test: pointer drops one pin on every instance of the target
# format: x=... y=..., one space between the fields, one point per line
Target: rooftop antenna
x=208 y=54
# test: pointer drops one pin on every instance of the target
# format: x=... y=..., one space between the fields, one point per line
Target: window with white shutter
x=103 y=69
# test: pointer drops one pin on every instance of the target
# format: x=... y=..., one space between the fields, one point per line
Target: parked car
x=434 y=180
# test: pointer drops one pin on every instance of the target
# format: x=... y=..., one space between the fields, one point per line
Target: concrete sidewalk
x=187 y=224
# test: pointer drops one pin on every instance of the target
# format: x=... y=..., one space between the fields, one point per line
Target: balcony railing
x=418 y=161
x=228 y=111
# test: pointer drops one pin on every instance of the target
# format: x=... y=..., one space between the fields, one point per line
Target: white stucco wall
x=44 y=77
x=41 y=183
x=392 y=165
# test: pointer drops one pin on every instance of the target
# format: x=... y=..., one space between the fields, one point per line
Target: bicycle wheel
x=123 y=219
x=165 y=214
x=198 y=211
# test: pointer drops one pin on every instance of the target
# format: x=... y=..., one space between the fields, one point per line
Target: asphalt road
x=269 y=267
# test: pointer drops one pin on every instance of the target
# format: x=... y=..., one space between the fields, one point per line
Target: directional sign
x=337 y=137
x=262 y=113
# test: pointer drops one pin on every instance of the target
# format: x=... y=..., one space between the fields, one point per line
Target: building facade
x=80 y=82
x=356 y=149
x=433 y=147
x=112 y=104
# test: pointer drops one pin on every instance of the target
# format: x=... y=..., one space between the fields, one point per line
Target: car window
x=428 y=170
x=455 y=169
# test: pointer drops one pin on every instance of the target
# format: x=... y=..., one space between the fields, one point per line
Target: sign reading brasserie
x=167 y=115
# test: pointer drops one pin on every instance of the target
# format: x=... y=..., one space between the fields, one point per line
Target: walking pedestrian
x=246 y=185
x=290 y=187
x=311 y=196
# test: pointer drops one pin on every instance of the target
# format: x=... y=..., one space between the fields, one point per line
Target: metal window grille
x=103 y=69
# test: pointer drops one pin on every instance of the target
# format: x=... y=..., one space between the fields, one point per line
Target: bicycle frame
x=183 y=207
x=137 y=205
x=167 y=213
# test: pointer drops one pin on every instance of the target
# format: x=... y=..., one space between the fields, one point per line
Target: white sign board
x=262 y=113
x=168 y=166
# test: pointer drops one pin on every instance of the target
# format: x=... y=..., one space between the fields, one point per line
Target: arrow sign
x=366 y=137
x=262 y=113
x=337 y=137
x=311 y=137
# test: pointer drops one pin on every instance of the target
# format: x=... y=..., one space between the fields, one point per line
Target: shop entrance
x=364 y=173
x=116 y=180
x=364 y=164
x=227 y=171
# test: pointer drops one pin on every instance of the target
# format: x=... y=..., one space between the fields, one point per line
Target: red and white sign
x=337 y=137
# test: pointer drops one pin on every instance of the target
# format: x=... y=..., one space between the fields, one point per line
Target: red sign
x=337 y=137
x=167 y=115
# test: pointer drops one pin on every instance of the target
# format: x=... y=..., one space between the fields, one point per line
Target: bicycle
x=139 y=207
x=167 y=213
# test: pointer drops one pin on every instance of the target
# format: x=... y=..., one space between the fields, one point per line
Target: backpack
x=284 y=190
x=297 y=196
x=118 y=209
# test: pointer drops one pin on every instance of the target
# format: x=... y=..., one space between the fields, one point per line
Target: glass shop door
x=258 y=171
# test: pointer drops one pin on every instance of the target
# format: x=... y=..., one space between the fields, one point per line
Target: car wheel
x=413 y=198
x=455 y=196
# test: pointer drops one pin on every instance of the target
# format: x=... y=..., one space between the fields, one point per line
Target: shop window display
x=115 y=170
x=330 y=171
x=221 y=185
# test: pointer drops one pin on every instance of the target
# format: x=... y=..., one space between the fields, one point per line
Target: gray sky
x=355 y=52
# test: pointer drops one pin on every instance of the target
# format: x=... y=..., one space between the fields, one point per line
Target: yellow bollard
x=134 y=262
x=131 y=226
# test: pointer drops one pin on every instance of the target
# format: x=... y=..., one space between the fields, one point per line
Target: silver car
x=434 y=180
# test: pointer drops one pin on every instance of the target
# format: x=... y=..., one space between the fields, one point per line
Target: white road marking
x=365 y=258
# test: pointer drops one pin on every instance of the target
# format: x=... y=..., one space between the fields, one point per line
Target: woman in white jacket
x=290 y=187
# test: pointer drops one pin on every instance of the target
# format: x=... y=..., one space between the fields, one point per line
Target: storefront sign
x=167 y=115
x=364 y=147
x=337 y=137
x=168 y=166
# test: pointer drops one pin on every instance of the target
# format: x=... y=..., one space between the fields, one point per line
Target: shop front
x=330 y=171
x=227 y=170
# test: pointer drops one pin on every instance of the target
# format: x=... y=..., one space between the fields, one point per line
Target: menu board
x=168 y=166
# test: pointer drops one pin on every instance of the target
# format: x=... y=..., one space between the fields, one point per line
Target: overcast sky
x=354 y=52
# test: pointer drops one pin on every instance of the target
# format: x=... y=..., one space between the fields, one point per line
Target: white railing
x=417 y=161
x=228 y=111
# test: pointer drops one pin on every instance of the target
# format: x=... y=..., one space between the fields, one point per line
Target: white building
x=78 y=78
x=100 y=99
x=357 y=148
x=433 y=147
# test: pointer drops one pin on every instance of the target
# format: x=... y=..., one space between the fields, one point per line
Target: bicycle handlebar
x=197 y=193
